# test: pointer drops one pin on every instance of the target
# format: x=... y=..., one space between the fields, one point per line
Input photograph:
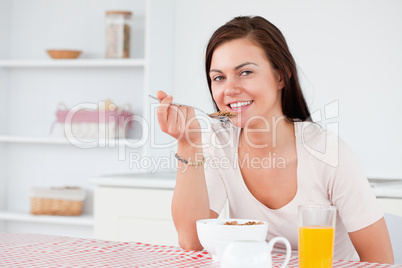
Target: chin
x=238 y=123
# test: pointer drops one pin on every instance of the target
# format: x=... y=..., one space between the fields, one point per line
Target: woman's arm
x=373 y=243
x=190 y=199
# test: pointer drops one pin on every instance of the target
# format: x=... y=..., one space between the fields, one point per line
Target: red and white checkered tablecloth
x=34 y=250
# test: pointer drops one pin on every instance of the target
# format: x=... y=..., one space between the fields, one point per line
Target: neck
x=273 y=133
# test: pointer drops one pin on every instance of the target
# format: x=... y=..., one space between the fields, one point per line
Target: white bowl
x=214 y=235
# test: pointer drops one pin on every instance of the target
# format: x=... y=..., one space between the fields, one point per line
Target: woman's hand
x=190 y=199
x=178 y=121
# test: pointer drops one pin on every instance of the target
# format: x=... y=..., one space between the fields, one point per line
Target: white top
x=148 y=180
x=328 y=173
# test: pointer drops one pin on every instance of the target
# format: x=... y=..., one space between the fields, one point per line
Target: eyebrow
x=235 y=68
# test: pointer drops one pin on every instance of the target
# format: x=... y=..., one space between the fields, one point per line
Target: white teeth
x=240 y=104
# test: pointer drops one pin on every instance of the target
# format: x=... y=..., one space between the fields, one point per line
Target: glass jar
x=118 y=27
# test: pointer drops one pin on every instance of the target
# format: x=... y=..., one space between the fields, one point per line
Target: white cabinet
x=130 y=214
x=391 y=205
x=389 y=195
x=136 y=207
x=32 y=84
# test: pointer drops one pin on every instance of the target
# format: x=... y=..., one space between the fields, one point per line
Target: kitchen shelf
x=60 y=140
x=72 y=63
x=32 y=83
x=82 y=220
x=33 y=140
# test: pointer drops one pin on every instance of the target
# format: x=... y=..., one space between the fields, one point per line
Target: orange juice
x=316 y=246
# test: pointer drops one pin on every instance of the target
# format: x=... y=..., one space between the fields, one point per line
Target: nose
x=232 y=88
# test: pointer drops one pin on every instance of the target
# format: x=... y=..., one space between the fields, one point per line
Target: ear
x=281 y=81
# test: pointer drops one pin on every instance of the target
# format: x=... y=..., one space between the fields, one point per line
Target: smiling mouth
x=239 y=105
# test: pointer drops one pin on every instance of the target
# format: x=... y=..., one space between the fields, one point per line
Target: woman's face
x=243 y=81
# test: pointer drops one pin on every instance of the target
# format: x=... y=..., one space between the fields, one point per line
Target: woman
x=270 y=158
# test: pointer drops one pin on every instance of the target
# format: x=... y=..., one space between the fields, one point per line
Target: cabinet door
x=152 y=231
x=391 y=205
x=130 y=214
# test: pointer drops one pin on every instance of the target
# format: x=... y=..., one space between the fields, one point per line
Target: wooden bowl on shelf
x=63 y=54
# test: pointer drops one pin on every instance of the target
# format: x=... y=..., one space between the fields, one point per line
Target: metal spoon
x=214 y=116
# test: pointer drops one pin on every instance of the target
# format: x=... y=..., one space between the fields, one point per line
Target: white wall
x=159 y=71
x=3 y=95
x=48 y=24
x=347 y=51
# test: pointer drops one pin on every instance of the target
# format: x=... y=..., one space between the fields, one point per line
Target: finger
x=173 y=114
x=161 y=95
x=190 y=113
x=181 y=121
x=162 y=111
x=191 y=118
x=182 y=117
x=180 y=114
x=184 y=112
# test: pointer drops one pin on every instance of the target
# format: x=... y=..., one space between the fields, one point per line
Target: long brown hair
x=270 y=39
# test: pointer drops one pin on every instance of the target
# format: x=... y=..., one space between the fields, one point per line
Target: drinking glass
x=316 y=236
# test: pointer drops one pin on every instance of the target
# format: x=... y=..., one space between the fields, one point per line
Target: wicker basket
x=64 y=54
x=43 y=206
x=66 y=201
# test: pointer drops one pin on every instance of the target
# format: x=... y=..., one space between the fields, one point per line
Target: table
x=36 y=250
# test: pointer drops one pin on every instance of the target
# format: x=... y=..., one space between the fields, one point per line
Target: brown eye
x=245 y=73
x=218 y=78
